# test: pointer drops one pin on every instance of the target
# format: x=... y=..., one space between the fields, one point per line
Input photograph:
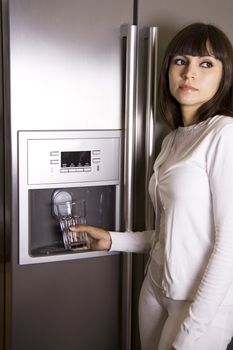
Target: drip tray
x=54 y=250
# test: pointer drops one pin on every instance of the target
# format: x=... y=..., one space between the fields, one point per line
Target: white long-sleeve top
x=191 y=249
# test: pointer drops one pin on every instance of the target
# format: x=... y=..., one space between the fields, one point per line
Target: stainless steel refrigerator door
x=65 y=74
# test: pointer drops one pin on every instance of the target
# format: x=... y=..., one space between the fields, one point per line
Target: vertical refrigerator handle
x=150 y=120
x=129 y=34
x=130 y=110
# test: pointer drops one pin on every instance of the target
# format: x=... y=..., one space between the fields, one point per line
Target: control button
x=87 y=169
x=63 y=170
x=95 y=160
x=79 y=170
x=54 y=161
x=96 y=152
x=54 y=153
x=72 y=170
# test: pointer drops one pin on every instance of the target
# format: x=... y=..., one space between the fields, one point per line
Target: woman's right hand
x=98 y=238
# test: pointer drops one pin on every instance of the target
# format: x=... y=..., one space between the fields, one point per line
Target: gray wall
x=171 y=15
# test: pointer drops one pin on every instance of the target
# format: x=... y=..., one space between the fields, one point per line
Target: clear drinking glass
x=70 y=214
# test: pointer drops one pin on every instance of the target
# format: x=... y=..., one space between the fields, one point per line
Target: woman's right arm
x=100 y=239
x=132 y=242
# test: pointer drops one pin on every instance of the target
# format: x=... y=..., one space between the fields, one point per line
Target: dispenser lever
x=58 y=197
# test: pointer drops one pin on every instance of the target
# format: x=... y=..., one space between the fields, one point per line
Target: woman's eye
x=206 y=64
x=179 y=61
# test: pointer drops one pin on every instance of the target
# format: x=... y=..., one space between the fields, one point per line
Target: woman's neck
x=189 y=116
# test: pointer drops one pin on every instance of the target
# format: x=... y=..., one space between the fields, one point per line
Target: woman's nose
x=189 y=71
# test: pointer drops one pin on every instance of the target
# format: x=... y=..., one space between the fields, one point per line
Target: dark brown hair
x=192 y=40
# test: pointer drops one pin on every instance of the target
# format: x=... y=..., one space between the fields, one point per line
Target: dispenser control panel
x=70 y=157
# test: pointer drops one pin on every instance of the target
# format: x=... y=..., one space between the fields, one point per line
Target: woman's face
x=194 y=80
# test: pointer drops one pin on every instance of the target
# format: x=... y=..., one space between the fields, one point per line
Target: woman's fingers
x=99 y=239
x=94 y=232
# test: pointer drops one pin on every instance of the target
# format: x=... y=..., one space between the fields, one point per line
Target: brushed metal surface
x=150 y=126
x=65 y=63
x=64 y=74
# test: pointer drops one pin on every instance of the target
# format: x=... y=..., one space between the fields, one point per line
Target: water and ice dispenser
x=66 y=177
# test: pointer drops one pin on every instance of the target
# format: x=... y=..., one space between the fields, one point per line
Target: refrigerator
x=62 y=72
x=69 y=85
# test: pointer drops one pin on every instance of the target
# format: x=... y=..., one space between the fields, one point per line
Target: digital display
x=75 y=159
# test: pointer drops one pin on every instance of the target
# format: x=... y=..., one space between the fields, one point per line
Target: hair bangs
x=199 y=40
x=192 y=46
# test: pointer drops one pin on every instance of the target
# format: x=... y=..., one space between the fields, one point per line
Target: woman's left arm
x=218 y=276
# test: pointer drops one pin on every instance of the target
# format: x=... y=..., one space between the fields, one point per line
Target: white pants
x=160 y=319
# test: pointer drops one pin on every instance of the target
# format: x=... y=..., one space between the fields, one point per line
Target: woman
x=186 y=300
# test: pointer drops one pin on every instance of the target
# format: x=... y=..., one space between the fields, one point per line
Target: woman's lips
x=188 y=88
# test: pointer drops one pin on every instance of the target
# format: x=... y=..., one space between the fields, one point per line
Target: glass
x=71 y=214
